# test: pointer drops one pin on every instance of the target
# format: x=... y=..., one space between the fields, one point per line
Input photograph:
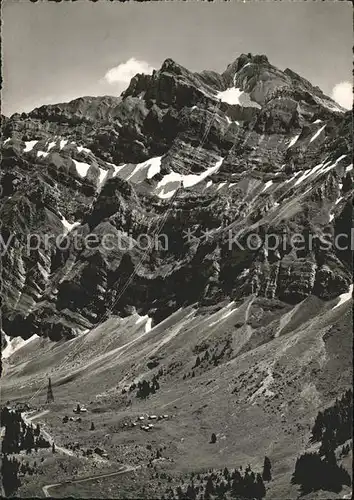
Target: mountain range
x=218 y=208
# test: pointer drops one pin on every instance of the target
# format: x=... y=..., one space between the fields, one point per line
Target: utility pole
x=50 y=397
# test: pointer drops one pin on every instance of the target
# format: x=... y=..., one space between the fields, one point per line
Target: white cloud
x=124 y=72
x=342 y=93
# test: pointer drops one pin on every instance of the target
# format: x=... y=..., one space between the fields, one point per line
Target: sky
x=55 y=52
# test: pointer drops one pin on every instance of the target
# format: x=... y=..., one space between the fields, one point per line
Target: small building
x=100 y=451
x=79 y=409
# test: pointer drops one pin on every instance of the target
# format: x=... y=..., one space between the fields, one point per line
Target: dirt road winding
x=122 y=470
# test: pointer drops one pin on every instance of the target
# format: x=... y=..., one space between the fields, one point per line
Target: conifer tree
x=209 y=487
x=266 y=474
x=29 y=439
x=260 y=488
x=191 y=493
x=50 y=397
x=9 y=474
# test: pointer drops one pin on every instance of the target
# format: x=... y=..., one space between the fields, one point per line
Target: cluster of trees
x=314 y=472
x=216 y=355
x=18 y=435
x=9 y=474
x=213 y=358
x=222 y=484
x=333 y=427
x=145 y=387
x=11 y=469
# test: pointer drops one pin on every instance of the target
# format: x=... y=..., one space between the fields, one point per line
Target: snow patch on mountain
x=42 y=153
x=116 y=168
x=319 y=169
x=303 y=177
x=340 y=159
x=103 y=175
x=230 y=122
x=14 y=344
x=81 y=148
x=293 y=141
x=29 y=145
x=234 y=95
x=172 y=181
x=344 y=297
x=309 y=172
x=267 y=185
x=221 y=184
x=81 y=168
x=148 y=322
x=67 y=225
x=148 y=325
x=328 y=105
x=292 y=177
x=317 y=134
x=223 y=313
x=154 y=166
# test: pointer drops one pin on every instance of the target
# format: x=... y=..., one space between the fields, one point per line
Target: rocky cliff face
x=218 y=164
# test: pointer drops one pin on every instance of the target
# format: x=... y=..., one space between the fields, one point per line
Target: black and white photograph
x=176 y=242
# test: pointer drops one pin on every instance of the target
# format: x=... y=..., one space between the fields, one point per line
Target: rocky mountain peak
x=171 y=66
x=254 y=150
